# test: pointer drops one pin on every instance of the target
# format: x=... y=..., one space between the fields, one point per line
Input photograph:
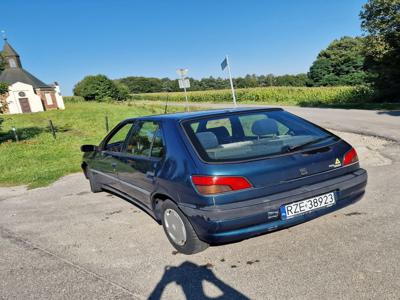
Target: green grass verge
x=37 y=159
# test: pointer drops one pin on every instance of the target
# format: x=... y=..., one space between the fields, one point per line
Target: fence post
x=106 y=120
x=53 y=131
x=15 y=134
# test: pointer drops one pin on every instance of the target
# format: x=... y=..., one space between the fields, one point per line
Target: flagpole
x=231 y=81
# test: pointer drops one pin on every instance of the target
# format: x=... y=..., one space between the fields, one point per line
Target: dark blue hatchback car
x=218 y=176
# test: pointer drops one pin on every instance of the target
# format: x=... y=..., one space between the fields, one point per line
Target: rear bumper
x=241 y=220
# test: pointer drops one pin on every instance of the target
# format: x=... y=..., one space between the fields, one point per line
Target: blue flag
x=224 y=64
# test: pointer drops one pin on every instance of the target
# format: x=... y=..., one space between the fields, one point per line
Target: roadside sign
x=184 y=83
x=182 y=72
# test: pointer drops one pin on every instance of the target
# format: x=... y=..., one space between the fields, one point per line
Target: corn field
x=271 y=95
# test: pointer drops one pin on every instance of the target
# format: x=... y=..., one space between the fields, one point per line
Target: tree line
x=138 y=85
x=99 y=87
x=371 y=60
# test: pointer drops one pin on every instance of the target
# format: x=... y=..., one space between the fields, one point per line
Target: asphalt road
x=62 y=242
x=380 y=123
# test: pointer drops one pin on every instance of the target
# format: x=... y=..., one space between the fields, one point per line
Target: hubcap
x=175 y=227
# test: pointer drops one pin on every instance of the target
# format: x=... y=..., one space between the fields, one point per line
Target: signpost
x=224 y=65
x=184 y=83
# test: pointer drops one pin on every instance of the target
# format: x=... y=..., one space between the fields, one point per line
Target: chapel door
x=24 y=103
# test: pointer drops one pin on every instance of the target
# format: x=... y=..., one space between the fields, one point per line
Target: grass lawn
x=37 y=159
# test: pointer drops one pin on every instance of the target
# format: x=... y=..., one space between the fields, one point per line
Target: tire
x=94 y=186
x=179 y=231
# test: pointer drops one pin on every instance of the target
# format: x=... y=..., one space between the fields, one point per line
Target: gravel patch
x=368 y=148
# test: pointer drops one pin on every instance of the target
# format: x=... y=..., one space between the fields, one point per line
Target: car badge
x=303 y=171
x=336 y=164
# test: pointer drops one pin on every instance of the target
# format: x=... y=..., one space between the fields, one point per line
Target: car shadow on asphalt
x=394 y=113
x=191 y=277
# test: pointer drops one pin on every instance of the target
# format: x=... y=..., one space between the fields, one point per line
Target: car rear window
x=249 y=135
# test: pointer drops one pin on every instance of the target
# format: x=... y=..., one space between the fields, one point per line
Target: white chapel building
x=26 y=93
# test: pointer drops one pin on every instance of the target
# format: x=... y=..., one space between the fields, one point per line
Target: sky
x=66 y=40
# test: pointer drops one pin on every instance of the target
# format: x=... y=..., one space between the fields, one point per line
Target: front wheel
x=179 y=231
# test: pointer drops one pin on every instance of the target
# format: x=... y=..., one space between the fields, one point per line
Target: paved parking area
x=64 y=242
x=382 y=123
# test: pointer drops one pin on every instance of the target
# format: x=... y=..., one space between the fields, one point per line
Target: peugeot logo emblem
x=303 y=171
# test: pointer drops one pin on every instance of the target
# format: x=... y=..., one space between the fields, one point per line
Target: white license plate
x=304 y=206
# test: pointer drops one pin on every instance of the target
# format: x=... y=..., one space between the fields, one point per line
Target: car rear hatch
x=284 y=172
x=273 y=150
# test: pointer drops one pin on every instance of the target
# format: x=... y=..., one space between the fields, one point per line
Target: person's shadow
x=190 y=277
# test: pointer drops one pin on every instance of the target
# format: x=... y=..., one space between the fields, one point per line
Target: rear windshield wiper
x=300 y=146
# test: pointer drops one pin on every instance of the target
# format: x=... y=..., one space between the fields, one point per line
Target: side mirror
x=88 y=148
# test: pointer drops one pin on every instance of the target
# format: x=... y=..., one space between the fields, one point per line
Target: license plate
x=304 y=206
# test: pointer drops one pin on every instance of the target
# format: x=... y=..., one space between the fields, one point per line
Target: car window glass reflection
x=116 y=142
x=146 y=140
x=158 y=145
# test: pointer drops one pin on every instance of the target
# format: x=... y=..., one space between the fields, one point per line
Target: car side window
x=158 y=144
x=146 y=140
x=116 y=141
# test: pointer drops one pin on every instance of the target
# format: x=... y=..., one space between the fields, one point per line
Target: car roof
x=179 y=116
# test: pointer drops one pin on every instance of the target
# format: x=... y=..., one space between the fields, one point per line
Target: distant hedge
x=73 y=99
x=278 y=95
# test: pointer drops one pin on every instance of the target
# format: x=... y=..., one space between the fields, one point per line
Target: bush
x=3 y=88
x=341 y=63
x=380 y=20
x=98 y=88
x=123 y=90
x=73 y=99
x=2 y=62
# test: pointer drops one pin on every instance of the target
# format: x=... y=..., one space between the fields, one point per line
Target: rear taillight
x=350 y=157
x=209 y=185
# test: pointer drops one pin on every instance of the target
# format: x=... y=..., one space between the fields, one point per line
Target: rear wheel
x=179 y=231
x=94 y=186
